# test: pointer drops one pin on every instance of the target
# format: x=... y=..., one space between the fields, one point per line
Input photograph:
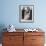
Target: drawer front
x=33 y=39
x=27 y=41
x=37 y=45
x=34 y=33
x=12 y=45
x=37 y=39
x=13 y=41
x=13 y=33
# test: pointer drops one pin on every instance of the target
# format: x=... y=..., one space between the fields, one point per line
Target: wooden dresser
x=23 y=39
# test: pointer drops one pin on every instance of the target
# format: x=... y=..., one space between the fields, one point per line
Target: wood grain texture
x=13 y=39
x=23 y=39
x=34 y=39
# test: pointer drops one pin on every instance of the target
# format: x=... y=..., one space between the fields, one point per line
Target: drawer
x=16 y=41
x=12 y=44
x=34 y=33
x=9 y=45
x=37 y=44
x=27 y=37
x=37 y=39
x=12 y=39
x=13 y=33
x=27 y=41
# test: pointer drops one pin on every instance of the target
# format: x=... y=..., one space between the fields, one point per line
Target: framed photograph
x=26 y=13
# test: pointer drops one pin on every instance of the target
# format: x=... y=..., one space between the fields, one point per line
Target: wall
x=10 y=13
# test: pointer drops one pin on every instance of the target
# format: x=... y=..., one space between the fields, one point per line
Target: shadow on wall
x=2 y=26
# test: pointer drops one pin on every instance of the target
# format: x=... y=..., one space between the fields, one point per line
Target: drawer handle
x=33 y=39
x=11 y=38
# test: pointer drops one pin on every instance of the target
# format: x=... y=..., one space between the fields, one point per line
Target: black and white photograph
x=26 y=13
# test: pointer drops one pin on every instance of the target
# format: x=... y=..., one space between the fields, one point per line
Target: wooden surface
x=12 y=39
x=23 y=39
x=34 y=39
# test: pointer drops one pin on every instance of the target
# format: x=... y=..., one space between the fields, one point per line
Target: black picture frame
x=26 y=13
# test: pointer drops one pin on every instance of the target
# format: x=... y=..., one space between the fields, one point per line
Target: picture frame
x=26 y=13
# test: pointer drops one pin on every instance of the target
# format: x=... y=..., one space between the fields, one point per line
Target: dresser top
x=22 y=30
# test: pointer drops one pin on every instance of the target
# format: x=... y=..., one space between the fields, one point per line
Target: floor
x=0 y=44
